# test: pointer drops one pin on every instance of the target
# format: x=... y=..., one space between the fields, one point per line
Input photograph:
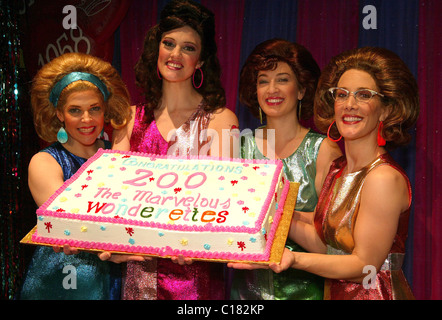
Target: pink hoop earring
x=202 y=78
x=328 y=133
x=158 y=74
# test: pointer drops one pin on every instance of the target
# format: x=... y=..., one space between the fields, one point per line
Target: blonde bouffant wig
x=117 y=107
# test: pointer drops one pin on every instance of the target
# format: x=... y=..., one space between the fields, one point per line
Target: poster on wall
x=52 y=28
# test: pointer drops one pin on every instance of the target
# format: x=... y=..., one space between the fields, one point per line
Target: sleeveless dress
x=335 y=218
x=95 y=279
x=161 y=278
x=291 y=284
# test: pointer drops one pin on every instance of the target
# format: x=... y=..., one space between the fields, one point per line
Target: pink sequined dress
x=161 y=278
x=335 y=219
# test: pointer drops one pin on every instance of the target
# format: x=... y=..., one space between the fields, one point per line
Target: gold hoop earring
x=299 y=109
x=260 y=115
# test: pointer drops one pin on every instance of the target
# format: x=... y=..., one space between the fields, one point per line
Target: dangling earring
x=260 y=114
x=381 y=140
x=328 y=133
x=62 y=135
x=299 y=109
x=158 y=74
x=202 y=78
x=101 y=136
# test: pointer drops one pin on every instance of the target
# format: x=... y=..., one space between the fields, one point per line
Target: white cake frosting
x=162 y=205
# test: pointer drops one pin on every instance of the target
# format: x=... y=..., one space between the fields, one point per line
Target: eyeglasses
x=341 y=95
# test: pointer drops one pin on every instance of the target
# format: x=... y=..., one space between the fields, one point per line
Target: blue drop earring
x=62 y=135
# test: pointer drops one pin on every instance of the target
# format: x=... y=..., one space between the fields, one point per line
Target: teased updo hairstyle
x=393 y=79
x=177 y=14
x=46 y=122
x=265 y=57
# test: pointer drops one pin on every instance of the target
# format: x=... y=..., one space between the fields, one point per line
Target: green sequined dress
x=291 y=284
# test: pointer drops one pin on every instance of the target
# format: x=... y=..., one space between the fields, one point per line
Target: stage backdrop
x=326 y=28
x=114 y=30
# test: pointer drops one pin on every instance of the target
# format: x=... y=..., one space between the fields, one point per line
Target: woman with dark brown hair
x=278 y=84
x=369 y=98
x=185 y=114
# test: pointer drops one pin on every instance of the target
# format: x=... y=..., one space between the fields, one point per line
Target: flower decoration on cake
x=48 y=226
x=241 y=245
x=130 y=231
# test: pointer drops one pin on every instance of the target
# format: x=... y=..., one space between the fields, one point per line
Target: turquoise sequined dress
x=52 y=275
x=291 y=284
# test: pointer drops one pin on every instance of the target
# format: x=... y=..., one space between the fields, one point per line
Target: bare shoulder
x=42 y=160
x=223 y=118
x=121 y=137
x=45 y=176
x=329 y=151
x=44 y=167
x=388 y=185
x=385 y=174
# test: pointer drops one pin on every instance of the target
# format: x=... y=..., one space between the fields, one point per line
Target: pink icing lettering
x=134 y=182
x=108 y=208
x=187 y=212
x=188 y=186
x=134 y=210
x=167 y=185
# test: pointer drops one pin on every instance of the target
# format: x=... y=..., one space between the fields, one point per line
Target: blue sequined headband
x=75 y=76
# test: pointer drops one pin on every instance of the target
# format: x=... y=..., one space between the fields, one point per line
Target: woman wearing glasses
x=368 y=98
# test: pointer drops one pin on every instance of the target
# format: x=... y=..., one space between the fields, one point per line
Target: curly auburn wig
x=177 y=14
x=392 y=77
x=266 y=56
x=117 y=107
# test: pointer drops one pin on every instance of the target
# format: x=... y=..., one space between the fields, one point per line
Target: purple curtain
x=229 y=19
x=326 y=28
x=427 y=258
x=141 y=16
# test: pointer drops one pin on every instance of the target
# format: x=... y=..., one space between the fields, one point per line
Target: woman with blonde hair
x=72 y=97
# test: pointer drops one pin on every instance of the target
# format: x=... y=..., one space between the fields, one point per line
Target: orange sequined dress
x=335 y=219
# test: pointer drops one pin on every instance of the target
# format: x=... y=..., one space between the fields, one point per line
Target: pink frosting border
x=43 y=211
x=168 y=251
